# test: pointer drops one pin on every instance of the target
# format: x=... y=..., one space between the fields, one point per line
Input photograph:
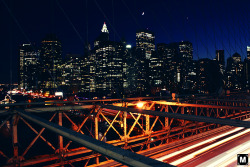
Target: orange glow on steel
x=140 y=105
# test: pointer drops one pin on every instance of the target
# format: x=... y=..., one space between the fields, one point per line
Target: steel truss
x=128 y=128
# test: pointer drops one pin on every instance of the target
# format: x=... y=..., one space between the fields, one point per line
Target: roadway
x=219 y=149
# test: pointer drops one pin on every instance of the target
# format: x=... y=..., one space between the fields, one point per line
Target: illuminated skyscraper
x=156 y=74
x=186 y=64
x=145 y=46
x=246 y=73
x=145 y=41
x=28 y=67
x=246 y=70
x=109 y=59
x=168 y=54
x=221 y=60
x=131 y=71
x=234 y=72
x=104 y=36
x=51 y=61
x=248 y=52
x=220 y=57
x=178 y=66
x=73 y=73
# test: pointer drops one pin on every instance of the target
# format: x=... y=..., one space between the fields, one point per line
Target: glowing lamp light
x=128 y=46
x=140 y=105
x=59 y=94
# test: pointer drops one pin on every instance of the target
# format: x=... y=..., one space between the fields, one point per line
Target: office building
x=28 y=67
x=248 y=52
x=74 y=73
x=234 y=73
x=51 y=63
x=109 y=59
x=220 y=58
x=145 y=41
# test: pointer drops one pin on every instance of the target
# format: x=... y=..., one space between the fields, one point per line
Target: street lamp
x=140 y=105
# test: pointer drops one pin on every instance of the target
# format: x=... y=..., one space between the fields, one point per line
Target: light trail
x=197 y=145
x=190 y=156
x=228 y=157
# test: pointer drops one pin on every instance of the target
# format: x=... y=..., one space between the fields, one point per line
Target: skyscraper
x=179 y=66
x=186 y=63
x=234 y=72
x=145 y=46
x=220 y=57
x=221 y=60
x=168 y=54
x=28 y=67
x=156 y=74
x=73 y=73
x=103 y=36
x=248 y=52
x=131 y=70
x=51 y=61
x=209 y=79
x=109 y=58
x=145 y=41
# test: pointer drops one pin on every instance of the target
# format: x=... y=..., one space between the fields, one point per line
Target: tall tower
x=186 y=64
x=108 y=62
x=145 y=41
x=104 y=36
x=220 y=58
x=248 y=52
x=234 y=72
x=104 y=28
x=73 y=72
x=51 y=61
x=28 y=67
x=178 y=66
x=145 y=46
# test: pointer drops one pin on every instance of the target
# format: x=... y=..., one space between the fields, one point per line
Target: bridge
x=145 y=131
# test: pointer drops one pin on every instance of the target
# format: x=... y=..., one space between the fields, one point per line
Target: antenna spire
x=104 y=28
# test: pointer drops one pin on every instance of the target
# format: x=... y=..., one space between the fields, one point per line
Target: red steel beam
x=221 y=121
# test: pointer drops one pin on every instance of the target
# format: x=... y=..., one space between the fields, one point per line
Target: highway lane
x=227 y=146
x=224 y=155
x=193 y=147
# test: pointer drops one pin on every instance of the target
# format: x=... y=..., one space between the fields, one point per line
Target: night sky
x=209 y=25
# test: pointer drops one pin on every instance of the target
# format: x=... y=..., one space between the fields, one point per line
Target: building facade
x=220 y=58
x=234 y=73
x=109 y=62
x=73 y=73
x=145 y=41
x=50 y=63
x=28 y=67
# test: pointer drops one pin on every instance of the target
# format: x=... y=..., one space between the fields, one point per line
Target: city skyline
x=209 y=26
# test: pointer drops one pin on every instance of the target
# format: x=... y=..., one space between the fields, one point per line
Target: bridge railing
x=103 y=120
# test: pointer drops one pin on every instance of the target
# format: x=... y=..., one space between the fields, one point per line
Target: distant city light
x=128 y=46
x=248 y=48
x=59 y=94
x=12 y=92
